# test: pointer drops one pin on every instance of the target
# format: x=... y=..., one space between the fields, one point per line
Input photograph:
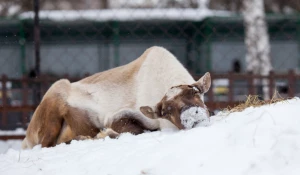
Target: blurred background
x=249 y=46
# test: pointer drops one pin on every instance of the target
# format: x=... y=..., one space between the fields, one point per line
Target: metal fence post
x=250 y=79
x=37 y=45
x=4 y=101
x=292 y=83
x=36 y=37
x=24 y=100
x=271 y=84
x=116 y=42
x=22 y=47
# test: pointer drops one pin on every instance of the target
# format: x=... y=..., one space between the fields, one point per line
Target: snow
x=14 y=144
x=258 y=141
x=127 y=14
x=10 y=144
x=192 y=116
x=18 y=131
x=11 y=9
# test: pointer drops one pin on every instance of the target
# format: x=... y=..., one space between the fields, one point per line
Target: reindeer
x=152 y=92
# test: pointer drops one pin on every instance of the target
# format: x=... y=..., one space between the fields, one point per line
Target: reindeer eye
x=166 y=113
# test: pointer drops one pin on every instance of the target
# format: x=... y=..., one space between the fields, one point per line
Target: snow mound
x=262 y=140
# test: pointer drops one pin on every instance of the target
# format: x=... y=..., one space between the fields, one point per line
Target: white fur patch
x=193 y=116
x=173 y=93
x=196 y=89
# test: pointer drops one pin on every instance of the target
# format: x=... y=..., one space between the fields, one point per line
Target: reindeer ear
x=149 y=111
x=204 y=83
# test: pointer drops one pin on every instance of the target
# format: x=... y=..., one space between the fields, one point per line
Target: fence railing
x=289 y=82
x=17 y=99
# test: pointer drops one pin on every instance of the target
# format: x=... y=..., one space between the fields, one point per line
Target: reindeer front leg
x=101 y=135
x=107 y=132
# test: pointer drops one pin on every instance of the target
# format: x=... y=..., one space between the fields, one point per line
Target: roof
x=128 y=14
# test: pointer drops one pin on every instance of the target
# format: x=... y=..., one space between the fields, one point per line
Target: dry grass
x=254 y=101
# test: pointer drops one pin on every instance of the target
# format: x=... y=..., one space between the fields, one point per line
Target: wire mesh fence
x=82 y=38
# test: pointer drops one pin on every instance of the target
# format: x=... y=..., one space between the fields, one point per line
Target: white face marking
x=200 y=95
x=193 y=116
x=173 y=93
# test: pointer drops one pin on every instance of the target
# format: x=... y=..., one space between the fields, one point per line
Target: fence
x=18 y=98
x=287 y=85
x=89 y=44
x=26 y=88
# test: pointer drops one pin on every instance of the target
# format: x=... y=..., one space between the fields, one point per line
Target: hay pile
x=254 y=101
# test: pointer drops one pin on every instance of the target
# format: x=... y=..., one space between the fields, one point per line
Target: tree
x=271 y=6
x=282 y=6
x=257 y=40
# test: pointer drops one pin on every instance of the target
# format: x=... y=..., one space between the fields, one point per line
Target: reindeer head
x=182 y=105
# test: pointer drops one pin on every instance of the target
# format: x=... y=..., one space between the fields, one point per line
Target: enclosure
x=76 y=43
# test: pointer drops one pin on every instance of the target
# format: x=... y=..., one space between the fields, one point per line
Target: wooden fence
x=27 y=88
x=21 y=98
x=291 y=84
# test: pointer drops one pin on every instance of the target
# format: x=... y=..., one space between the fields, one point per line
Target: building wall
x=81 y=47
x=129 y=50
x=284 y=55
x=72 y=59
x=79 y=59
x=10 y=61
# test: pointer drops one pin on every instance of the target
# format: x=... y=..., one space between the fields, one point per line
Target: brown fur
x=127 y=124
x=171 y=109
x=55 y=122
x=45 y=130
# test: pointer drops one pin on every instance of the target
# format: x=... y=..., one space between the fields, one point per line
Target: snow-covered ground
x=264 y=140
x=10 y=144
x=18 y=131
